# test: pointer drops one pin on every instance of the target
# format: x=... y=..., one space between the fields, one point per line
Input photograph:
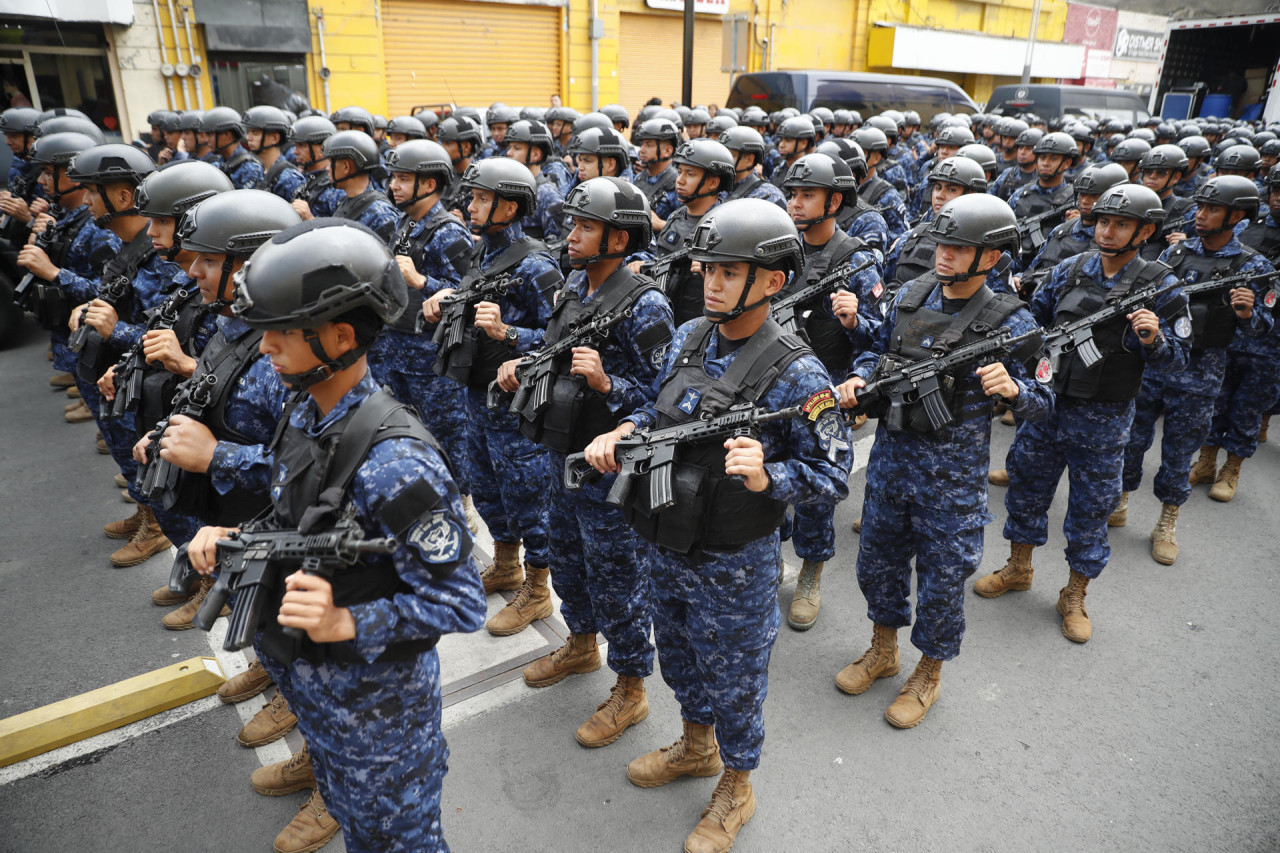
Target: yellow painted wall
x=353 y=50
x=197 y=34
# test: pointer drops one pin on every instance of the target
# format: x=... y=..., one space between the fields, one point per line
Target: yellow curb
x=71 y=720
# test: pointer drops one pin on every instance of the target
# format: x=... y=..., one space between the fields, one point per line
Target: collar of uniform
x=495 y=243
x=1233 y=248
x=307 y=416
x=231 y=327
x=1093 y=268
x=1080 y=228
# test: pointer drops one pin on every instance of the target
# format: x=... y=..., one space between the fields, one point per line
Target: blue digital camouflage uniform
x=329 y=199
x=715 y=617
x=1078 y=238
x=1087 y=437
x=762 y=190
x=893 y=210
x=548 y=212
x=253 y=409
x=919 y=201
x=813 y=532
x=489 y=149
x=869 y=227
x=664 y=205
x=246 y=175
x=1188 y=185
x=897 y=174
x=402 y=361
x=600 y=566
x=91 y=248
x=772 y=160
x=556 y=170
x=381 y=216
x=1008 y=182
x=1187 y=398
x=508 y=471
x=287 y=183
x=926 y=497
x=373 y=728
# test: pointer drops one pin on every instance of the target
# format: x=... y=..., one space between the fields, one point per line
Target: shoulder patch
x=437 y=538
x=828 y=429
x=1044 y=371
x=1182 y=326
x=818 y=403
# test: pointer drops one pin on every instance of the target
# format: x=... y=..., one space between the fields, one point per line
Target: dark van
x=1052 y=101
x=869 y=94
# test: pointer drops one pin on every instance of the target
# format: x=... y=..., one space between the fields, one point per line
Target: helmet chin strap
x=488 y=223
x=104 y=220
x=697 y=191
x=600 y=255
x=828 y=213
x=970 y=273
x=227 y=265
x=720 y=317
x=1225 y=226
x=415 y=198
x=327 y=367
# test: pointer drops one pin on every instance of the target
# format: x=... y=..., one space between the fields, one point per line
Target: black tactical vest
x=656 y=191
x=476 y=360
x=821 y=330
x=317 y=183
x=577 y=413
x=916 y=256
x=458 y=256
x=1118 y=376
x=922 y=332
x=743 y=189
x=269 y=178
x=713 y=512
x=49 y=303
x=684 y=289
x=1176 y=209
x=1213 y=322
x=1015 y=181
x=353 y=207
x=188 y=312
x=1033 y=203
x=116 y=288
x=193 y=494
x=1263 y=239
x=872 y=190
x=318 y=474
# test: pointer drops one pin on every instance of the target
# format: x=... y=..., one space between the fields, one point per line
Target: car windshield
x=871 y=98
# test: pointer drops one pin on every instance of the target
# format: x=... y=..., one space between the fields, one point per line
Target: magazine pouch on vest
x=821 y=330
x=713 y=511
x=1213 y=322
x=158 y=384
x=916 y=257
x=684 y=288
x=97 y=355
x=318 y=475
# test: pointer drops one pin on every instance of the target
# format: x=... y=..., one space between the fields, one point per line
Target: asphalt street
x=1157 y=735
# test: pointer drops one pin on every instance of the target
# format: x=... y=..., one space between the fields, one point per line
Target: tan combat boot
x=268 y=725
x=804 y=606
x=1224 y=487
x=857 y=525
x=164 y=597
x=79 y=414
x=100 y=445
x=1076 y=626
x=917 y=696
x=879 y=661
x=473 y=517
x=732 y=805
x=505 y=572
x=1205 y=467
x=695 y=754
x=73 y=393
x=125 y=527
x=246 y=685
x=180 y=619
x=579 y=654
x=1120 y=515
x=295 y=773
x=311 y=828
x=61 y=380
x=1016 y=574
x=1262 y=432
x=147 y=541
x=627 y=705
x=998 y=476
x=532 y=602
x=1164 y=545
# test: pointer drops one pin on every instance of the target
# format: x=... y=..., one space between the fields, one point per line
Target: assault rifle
x=1217 y=281
x=1077 y=335
x=18 y=188
x=457 y=309
x=1032 y=227
x=661 y=270
x=787 y=310
x=85 y=340
x=535 y=370
x=896 y=385
x=132 y=369
x=254 y=562
x=44 y=240
x=312 y=186
x=157 y=477
x=653 y=451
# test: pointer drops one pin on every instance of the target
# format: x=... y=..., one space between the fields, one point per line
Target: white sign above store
x=702 y=7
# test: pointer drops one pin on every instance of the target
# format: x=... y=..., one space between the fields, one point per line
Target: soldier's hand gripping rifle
x=1032 y=227
x=1218 y=281
x=788 y=310
x=86 y=341
x=1077 y=335
x=45 y=240
x=158 y=477
x=132 y=369
x=536 y=371
x=896 y=385
x=653 y=451
x=457 y=310
x=253 y=563
x=662 y=270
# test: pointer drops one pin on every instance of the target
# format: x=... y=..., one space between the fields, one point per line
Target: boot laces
x=872 y=653
x=523 y=594
x=145 y=529
x=805 y=585
x=918 y=684
x=277 y=705
x=677 y=750
x=298 y=759
x=722 y=801
x=617 y=699
x=1165 y=526
x=1074 y=595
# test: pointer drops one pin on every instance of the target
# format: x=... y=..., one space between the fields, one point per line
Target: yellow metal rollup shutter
x=650 y=55
x=470 y=53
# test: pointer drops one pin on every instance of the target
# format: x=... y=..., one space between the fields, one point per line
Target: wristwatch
x=511 y=336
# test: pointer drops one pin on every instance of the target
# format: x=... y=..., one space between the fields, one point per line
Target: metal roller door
x=471 y=54
x=650 y=55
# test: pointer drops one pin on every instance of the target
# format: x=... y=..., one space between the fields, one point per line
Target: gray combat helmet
x=176 y=187
x=501 y=114
x=745 y=139
x=235 y=223
x=617 y=114
x=422 y=158
x=822 y=171
x=871 y=139
x=354 y=145
x=506 y=179
x=311 y=130
x=605 y=143
x=531 y=133
x=961 y=171
x=848 y=151
x=1096 y=180
x=19 y=120
x=797 y=127
x=590 y=120
x=751 y=231
x=1195 y=146
x=267 y=119
x=407 y=126
x=1239 y=158
x=956 y=135
x=70 y=124
x=1058 y=143
x=619 y=205
x=1230 y=191
x=1165 y=157
x=354 y=116
x=975 y=219
x=325 y=270
x=719 y=123
x=222 y=120
x=109 y=164
x=983 y=156
x=59 y=149
x=1132 y=150
x=715 y=161
x=460 y=129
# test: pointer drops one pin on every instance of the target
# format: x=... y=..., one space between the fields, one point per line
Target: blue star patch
x=926 y=342
x=690 y=400
x=437 y=540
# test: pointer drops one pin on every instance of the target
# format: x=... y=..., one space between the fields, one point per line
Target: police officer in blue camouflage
x=858 y=218
x=1093 y=407
x=1251 y=383
x=601 y=567
x=912 y=253
x=529 y=143
x=658 y=139
x=318 y=196
x=716 y=564
x=508 y=471
x=796 y=137
x=947 y=143
x=837 y=325
x=266 y=130
x=926 y=495
x=1199 y=153
x=433 y=250
x=874 y=190
x=749 y=149
x=226 y=132
x=1056 y=154
x=352 y=156
x=1022 y=169
x=1186 y=399
x=1162 y=168
x=460 y=137
x=355 y=655
x=498 y=119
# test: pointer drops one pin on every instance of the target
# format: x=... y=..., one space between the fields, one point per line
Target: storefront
x=48 y=65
